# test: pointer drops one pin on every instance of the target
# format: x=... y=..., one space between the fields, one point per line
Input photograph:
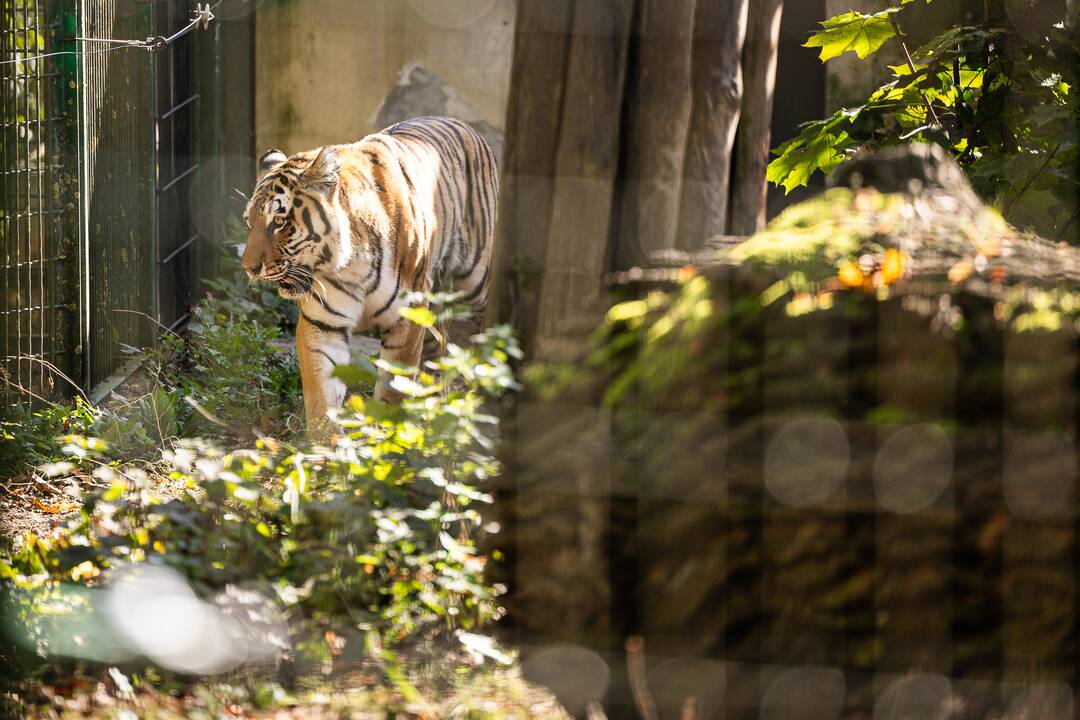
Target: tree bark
x=585 y=171
x=657 y=122
x=538 y=79
x=754 y=136
x=720 y=30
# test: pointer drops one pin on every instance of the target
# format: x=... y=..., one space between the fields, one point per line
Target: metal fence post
x=71 y=191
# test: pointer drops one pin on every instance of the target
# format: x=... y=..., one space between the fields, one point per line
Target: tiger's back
x=464 y=196
x=346 y=230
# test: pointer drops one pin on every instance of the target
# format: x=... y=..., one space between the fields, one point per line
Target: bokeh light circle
x=914 y=696
x=1045 y=700
x=675 y=680
x=810 y=692
x=806 y=461
x=575 y=675
x=1040 y=475
x=452 y=13
x=913 y=468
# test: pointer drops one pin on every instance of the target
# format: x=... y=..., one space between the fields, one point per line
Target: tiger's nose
x=252 y=260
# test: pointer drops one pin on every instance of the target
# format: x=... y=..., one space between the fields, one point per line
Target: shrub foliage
x=1002 y=99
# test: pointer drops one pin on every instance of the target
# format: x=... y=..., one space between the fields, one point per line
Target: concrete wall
x=322 y=67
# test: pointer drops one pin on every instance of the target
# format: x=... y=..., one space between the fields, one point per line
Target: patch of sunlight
x=828 y=227
x=1037 y=320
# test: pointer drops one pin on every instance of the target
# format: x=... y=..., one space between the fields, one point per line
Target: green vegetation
x=357 y=553
x=1003 y=102
x=223 y=378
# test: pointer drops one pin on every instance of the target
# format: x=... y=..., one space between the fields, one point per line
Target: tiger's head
x=293 y=219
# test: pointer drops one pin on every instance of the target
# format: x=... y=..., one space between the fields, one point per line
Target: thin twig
x=691 y=709
x=38 y=480
x=51 y=368
x=911 y=66
x=20 y=388
x=203 y=411
x=639 y=685
x=1068 y=224
x=148 y=317
x=594 y=711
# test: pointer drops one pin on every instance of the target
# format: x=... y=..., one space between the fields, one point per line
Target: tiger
x=347 y=231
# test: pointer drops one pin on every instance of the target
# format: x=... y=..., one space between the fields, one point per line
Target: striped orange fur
x=345 y=230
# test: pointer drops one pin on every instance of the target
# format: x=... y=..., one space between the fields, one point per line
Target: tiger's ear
x=270 y=160
x=323 y=170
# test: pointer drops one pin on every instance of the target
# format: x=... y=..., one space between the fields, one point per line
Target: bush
x=233 y=380
x=225 y=376
x=358 y=547
x=28 y=436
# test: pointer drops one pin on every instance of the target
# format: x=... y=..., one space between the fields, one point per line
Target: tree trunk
x=657 y=120
x=585 y=170
x=575 y=251
x=754 y=137
x=720 y=29
x=538 y=78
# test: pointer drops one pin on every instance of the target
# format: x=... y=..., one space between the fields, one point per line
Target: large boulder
x=418 y=91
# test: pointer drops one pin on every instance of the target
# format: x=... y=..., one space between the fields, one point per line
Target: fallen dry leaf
x=850 y=274
x=57 y=509
x=893 y=267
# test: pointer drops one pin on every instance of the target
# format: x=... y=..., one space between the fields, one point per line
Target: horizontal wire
x=134 y=43
x=67 y=52
x=153 y=44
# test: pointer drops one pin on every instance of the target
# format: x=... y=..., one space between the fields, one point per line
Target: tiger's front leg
x=321 y=347
x=402 y=344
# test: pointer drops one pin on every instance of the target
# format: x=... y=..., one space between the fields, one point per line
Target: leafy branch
x=1006 y=107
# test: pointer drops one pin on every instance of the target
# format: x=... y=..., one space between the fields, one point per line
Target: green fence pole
x=70 y=199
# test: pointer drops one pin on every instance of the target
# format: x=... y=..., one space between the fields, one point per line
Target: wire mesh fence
x=110 y=174
x=176 y=100
x=37 y=234
x=118 y=89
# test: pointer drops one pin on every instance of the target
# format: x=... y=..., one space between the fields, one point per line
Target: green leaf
x=382 y=411
x=820 y=146
x=864 y=34
x=360 y=372
x=419 y=315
